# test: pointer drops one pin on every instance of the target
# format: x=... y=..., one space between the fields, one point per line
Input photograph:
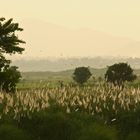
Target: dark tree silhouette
x=81 y=75
x=119 y=73
x=9 y=44
x=8 y=79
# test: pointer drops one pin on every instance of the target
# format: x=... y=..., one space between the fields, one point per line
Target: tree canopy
x=119 y=73
x=81 y=75
x=9 y=44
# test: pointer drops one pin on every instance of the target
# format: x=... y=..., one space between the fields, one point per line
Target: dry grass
x=100 y=100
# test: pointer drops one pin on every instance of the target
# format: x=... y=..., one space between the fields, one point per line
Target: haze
x=67 y=28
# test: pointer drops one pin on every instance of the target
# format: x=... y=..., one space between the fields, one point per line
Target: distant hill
x=62 y=75
x=72 y=63
x=46 y=39
x=56 y=76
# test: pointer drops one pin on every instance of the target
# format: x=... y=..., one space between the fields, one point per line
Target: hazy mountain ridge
x=46 y=39
x=71 y=63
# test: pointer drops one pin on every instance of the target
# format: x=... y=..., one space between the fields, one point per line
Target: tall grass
x=100 y=112
x=102 y=100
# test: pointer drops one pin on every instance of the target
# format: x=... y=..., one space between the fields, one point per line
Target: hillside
x=62 y=75
x=45 y=39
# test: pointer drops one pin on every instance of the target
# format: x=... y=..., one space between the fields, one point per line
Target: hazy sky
x=116 y=17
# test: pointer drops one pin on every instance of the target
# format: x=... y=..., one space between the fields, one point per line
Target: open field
x=60 y=75
x=67 y=113
x=41 y=109
x=63 y=75
x=43 y=79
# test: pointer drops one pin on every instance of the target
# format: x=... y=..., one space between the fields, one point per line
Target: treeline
x=116 y=74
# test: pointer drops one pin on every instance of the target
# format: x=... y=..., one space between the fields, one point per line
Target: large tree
x=81 y=75
x=119 y=73
x=9 y=44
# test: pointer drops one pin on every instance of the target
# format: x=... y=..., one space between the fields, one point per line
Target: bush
x=10 y=132
x=133 y=136
x=49 y=125
x=98 y=132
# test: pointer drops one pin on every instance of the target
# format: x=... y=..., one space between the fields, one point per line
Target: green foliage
x=11 y=132
x=52 y=124
x=128 y=124
x=119 y=73
x=81 y=75
x=9 y=44
x=133 y=136
x=101 y=112
x=97 y=131
x=8 y=78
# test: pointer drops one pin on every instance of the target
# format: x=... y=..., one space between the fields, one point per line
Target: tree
x=119 y=73
x=9 y=44
x=81 y=75
x=8 y=79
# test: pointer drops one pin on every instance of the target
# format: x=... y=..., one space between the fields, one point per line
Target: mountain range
x=45 y=39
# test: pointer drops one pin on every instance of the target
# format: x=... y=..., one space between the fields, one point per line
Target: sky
x=115 y=17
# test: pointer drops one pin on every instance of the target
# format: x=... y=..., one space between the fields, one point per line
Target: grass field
x=63 y=75
x=43 y=110
x=43 y=79
x=71 y=113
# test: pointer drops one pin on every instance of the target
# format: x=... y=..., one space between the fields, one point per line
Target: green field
x=42 y=79
x=43 y=110
x=101 y=112
x=62 y=75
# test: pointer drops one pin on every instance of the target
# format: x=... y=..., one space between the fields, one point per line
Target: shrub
x=97 y=131
x=10 y=132
x=133 y=136
x=50 y=125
